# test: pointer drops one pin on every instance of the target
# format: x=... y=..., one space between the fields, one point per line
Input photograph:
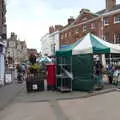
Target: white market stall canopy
x=44 y=59
x=89 y=44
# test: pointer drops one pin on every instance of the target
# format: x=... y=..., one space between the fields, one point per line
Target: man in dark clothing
x=98 y=72
x=98 y=68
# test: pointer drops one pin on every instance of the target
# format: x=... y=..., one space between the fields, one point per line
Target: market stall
x=75 y=62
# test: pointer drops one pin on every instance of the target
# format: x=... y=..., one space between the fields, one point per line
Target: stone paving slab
x=47 y=96
x=8 y=93
x=102 y=107
x=50 y=95
x=28 y=111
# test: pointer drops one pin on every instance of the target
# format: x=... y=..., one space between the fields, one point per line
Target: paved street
x=16 y=104
x=100 y=107
x=8 y=93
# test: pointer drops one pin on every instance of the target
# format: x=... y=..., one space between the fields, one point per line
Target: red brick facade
x=3 y=31
x=103 y=26
x=55 y=28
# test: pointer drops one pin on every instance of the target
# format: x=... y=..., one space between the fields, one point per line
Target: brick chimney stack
x=110 y=4
x=58 y=27
x=51 y=29
x=70 y=20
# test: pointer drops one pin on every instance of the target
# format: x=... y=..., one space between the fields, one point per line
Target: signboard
x=8 y=78
x=34 y=86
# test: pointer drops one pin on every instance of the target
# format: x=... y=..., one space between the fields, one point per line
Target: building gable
x=84 y=16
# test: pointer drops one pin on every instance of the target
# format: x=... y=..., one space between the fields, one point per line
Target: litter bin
x=51 y=77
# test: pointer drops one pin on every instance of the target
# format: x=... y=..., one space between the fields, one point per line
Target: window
x=65 y=35
x=77 y=31
x=69 y=34
x=106 y=36
x=106 y=21
x=22 y=47
x=117 y=38
x=84 y=28
x=117 y=19
x=92 y=25
x=62 y=37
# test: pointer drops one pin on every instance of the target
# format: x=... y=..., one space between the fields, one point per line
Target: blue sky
x=30 y=19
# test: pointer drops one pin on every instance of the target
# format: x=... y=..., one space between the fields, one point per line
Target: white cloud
x=31 y=19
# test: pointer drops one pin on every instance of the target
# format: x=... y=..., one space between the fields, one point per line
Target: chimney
x=51 y=29
x=13 y=36
x=58 y=27
x=110 y=4
x=70 y=20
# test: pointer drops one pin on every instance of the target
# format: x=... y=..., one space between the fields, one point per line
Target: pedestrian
x=23 y=68
x=110 y=73
x=99 y=75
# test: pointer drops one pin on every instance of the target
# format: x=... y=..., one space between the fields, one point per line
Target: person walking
x=98 y=68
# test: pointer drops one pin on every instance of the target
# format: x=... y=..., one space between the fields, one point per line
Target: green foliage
x=34 y=68
x=32 y=59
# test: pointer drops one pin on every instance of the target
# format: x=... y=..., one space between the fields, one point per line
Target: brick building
x=104 y=23
x=32 y=51
x=3 y=29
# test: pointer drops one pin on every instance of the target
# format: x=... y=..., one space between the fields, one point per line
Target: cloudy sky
x=30 y=19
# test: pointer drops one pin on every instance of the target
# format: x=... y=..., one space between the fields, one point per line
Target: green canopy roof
x=89 y=44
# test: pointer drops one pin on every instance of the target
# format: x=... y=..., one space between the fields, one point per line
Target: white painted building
x=2 y=63
x=50 y=43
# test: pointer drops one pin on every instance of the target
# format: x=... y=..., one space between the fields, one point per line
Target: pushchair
x=20 y=77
